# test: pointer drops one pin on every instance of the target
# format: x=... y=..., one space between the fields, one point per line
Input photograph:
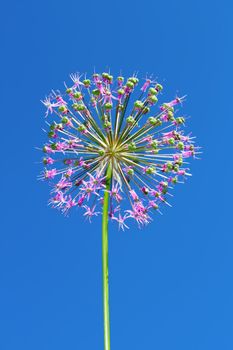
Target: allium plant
x=112 y=152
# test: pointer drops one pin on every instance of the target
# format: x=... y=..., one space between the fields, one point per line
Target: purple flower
x=97 y=123
x=90 y=212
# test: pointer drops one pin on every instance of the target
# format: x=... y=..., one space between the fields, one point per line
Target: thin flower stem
x=105 y=259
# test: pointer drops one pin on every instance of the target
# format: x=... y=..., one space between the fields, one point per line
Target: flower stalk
x=105 y=259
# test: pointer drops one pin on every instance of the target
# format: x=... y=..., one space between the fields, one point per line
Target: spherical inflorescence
x=96 y=125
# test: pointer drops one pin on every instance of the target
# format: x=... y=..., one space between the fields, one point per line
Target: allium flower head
x=104 y=121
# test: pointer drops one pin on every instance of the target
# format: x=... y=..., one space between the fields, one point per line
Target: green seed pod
x=121 y=91
x=174 y=180
x=107 y=125
x=101 y=152
x=51 y=134
x=62 y=108
x=87 y=82
x=154 y=144
x=138 y=104
x=81 y=128
x=150 y=170
x=75 y=106
x=169 y=166
x=105 y=75
x=179 y=161
x=77 y=94
x=53 y=146
x=130 y=172
x=96 y=92
x=64 y=120
x=146 y=110
x=180 y=120
x=170 y=114
x=159 y=87
x=120 y=78
x=108 y=105
x=81 y=108
x=68 y=91
x=180 y=146
x=167 y=107
x=153 y=99
x=52 y=126
x=171 y=141
x=132 y=146
x=130 y=84
x=153 y=121
x=130 y=120
x=152 y=91
x=134 y=80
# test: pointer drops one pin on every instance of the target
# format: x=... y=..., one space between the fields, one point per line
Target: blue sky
x=171 y=283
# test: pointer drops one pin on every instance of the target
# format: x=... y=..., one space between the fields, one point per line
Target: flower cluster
x=95 y=124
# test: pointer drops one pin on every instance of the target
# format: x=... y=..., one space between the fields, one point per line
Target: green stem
x=105 y=259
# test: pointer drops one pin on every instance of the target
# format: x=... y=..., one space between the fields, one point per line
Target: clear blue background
x=171 y=284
